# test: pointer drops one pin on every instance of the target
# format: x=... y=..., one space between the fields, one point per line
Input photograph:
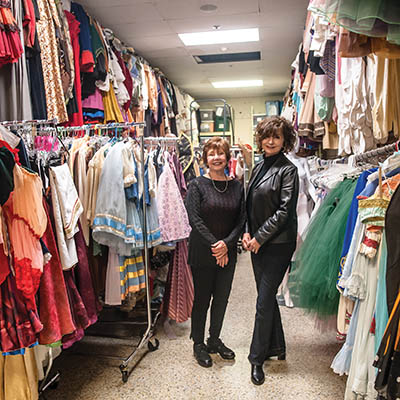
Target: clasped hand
x=220 y=252
x=250 y=244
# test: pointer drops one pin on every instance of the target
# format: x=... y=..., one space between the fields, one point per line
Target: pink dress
x=172 y=215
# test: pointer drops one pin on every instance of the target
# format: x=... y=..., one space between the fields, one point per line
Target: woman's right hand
x=245 y=241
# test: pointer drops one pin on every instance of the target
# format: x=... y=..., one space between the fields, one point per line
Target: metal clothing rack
x=96 y=127
x=384 y=151
x=30 y=122
x=50 y=126
x=149 y=333
x=151 y=322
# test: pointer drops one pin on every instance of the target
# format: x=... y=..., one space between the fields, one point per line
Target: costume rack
x=49 y=127
x=32 y=122
x=151 y=321
x=381 y=152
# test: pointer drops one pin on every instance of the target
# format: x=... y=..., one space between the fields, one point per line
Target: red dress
x=77 y=118
x=10 y=42
x=54 y=309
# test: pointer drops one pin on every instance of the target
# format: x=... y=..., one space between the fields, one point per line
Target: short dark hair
x=217 y=143
x=272 y=125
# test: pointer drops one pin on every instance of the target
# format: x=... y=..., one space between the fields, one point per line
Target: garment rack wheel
x=54 y=384
x=51 y=384
x=153 y=347
x=124 y=375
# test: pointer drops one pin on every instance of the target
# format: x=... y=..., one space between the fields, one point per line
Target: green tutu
x=376 y=18
x=315 y=271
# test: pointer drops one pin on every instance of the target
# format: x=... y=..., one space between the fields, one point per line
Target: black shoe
x=216 y=346
x=257 y=374
x=201 y=355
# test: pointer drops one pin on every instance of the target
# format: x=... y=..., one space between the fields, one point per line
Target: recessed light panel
x=219 y=37
x=237 y=84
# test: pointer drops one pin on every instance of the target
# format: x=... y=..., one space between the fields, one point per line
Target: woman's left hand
x=219 y=249
x=253 y=246
x=223 y=261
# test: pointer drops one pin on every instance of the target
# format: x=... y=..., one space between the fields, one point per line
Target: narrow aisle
x=172 y=373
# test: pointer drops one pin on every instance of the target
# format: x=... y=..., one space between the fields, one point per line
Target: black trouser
x=210 y=281
x=269 y=266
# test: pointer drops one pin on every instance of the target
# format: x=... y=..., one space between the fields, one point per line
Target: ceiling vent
x=228 y=57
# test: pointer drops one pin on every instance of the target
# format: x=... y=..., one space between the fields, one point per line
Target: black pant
x=210 y=281
x=269 y=266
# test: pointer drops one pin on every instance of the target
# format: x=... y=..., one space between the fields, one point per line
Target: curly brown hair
x=217 y=143
x=272 y=125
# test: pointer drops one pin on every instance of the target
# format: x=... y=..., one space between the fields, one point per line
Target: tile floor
x=172 y=373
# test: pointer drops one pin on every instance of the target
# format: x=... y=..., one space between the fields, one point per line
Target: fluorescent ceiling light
x=237 y=84
x=218 y=37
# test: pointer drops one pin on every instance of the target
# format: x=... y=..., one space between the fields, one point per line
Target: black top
x=214 y=216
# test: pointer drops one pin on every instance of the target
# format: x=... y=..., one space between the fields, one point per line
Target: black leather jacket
x=273 y=216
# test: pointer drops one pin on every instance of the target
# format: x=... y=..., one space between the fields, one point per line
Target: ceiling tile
x=284 y=7
x=144 y=29
x=165 y=55
x=153 y=43
x=206 y=23
x=123 y=14
x=113 y=3
x=180 y=9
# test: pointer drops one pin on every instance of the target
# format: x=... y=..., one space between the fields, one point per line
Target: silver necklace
x=215 y=186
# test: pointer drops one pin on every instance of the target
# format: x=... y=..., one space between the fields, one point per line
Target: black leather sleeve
x=288 y=203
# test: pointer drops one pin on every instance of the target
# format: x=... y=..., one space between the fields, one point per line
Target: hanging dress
x=26 y=220
x=362 y=285
x=174 y=221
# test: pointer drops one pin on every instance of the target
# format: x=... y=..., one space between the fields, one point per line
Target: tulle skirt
x=313 y=279
x=377 y=18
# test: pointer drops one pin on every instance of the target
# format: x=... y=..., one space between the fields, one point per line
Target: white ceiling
x=151 y=27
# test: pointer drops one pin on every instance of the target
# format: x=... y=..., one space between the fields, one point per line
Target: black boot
x=216 y=346
x=201 y=355
x=257 y=374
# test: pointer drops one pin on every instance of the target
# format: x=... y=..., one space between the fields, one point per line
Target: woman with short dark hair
x=216 y=214
x=271 y=235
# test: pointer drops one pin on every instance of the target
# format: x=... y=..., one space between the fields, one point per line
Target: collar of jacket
x=275 y=167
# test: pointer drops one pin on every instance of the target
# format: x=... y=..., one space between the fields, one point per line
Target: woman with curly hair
x=271 y=235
